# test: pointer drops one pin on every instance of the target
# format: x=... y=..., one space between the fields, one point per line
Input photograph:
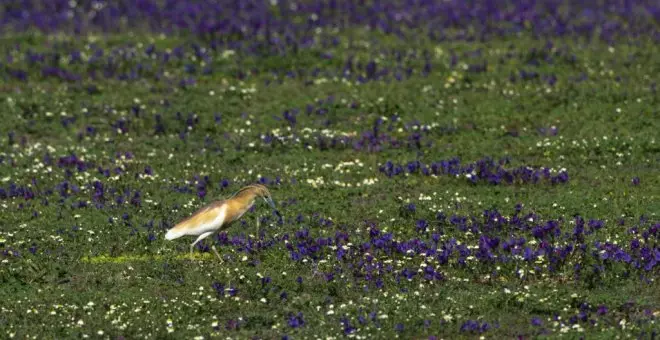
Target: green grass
x=108 y=276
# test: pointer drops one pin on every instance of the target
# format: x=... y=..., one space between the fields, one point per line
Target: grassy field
x=498 y=188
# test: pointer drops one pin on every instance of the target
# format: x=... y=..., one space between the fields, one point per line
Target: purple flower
x=411 y=207
x=296 y=321
x=346 y=323
x=135 y=200
x=219 y=288
x=421 y=225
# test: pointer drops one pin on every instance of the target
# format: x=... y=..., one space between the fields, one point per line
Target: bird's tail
x=173 y=233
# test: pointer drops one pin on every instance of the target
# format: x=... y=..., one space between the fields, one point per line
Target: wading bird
x=219 y=215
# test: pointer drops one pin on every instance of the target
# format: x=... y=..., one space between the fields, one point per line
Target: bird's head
x=262 y=191
x=258 y=190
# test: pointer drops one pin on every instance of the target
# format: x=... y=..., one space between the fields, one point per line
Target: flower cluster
x=484 y=170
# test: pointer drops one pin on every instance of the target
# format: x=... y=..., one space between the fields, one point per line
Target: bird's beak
x=272 y=204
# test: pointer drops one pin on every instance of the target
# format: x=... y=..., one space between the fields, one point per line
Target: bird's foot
x=217 y=254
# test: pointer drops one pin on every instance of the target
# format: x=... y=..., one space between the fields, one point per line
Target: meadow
x=443 y=169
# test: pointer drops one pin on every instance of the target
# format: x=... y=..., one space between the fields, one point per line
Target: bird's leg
x=257 y=227
x=316 y=270
x=216 y=253
x=201 y=237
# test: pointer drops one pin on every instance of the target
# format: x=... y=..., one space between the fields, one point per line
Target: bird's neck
x=246 y=199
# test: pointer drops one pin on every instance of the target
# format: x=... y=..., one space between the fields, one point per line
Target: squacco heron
x=219 y=215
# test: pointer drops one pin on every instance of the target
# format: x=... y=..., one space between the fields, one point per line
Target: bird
x=219 y=215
